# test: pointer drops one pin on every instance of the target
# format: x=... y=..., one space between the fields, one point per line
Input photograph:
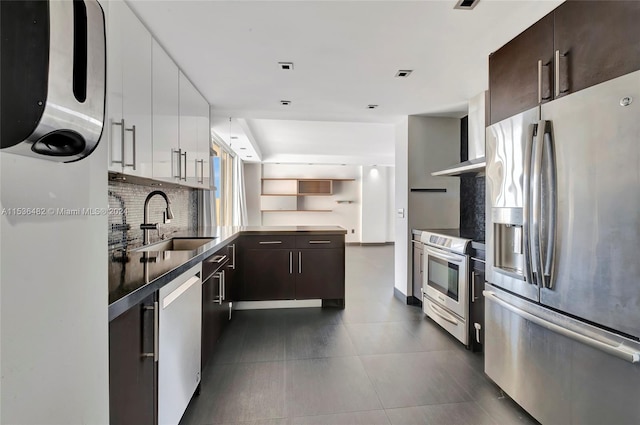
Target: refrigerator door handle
x=526 y=205
x=536 y=208
x=603 y=344
x=552 y=205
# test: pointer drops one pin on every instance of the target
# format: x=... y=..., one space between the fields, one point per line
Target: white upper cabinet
x=129 y=90
x=203 y=136
x=166 y=134
x=194 y=130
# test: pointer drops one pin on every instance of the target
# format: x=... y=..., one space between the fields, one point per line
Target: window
x=223 y=182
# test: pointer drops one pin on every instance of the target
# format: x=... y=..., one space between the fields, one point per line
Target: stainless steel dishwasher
x=179 y=342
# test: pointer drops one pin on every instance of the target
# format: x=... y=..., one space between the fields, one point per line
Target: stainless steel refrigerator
x=562 y=298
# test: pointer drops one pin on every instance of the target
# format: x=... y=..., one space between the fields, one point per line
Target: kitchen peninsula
x=170 y=301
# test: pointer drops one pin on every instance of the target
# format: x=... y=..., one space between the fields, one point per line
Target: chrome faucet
x=148 y=226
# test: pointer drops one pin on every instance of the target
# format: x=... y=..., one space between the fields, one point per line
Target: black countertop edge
x=121 y=305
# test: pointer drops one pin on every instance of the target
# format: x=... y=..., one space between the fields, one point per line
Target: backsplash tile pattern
x=472 y=193
x=124 y=229
x=472 y=206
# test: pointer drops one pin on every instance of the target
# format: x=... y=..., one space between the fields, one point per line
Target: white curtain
x=239 y=196
x=207 y=202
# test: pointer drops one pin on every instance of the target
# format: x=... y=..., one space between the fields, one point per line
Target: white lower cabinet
x=179 y=344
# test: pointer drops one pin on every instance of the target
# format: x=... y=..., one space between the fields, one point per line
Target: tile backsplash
x=472 y=194
x=126 y=202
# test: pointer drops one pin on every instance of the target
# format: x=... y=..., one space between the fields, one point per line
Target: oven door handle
x=444 y=256
x=437 y=310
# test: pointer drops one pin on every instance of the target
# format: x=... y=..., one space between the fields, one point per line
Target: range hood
x=477 y=124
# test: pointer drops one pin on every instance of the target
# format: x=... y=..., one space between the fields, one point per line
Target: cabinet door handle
x=133 y=135
x=269 y=242
x=233 y=257
x=558 y=57
x=290 y=262
x=299 y=262
x=539 y=80
x=121 y=124
x=220 y=297
x=473 y=287
x=217 y=259
x=185 y=167
x=156 y=328
x=179 y=152
x=319 y=242
x=201 y=178
x=541 y=75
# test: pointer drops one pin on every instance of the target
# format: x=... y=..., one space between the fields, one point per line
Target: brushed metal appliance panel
x=597 y=145
x=559 y=379
x=505 y=154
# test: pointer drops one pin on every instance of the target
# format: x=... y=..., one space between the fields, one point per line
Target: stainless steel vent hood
x=477 y=124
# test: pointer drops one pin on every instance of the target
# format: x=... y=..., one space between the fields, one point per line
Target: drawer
x=268 y=241
x=452 y=323
x=320 y=241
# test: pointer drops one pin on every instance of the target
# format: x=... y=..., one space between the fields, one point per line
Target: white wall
x=434 y=144
x=391 y=205
x=375 y=199
x=53 y=280
x=345 y=215
x=252 y=175
x=423 y=145
x=402 y=266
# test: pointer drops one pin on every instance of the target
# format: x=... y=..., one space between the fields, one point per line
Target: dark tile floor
x=378 y=361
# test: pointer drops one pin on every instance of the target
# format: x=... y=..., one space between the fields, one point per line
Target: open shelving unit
x=288 y=194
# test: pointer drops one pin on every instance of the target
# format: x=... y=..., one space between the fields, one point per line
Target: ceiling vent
x=285 y=102
x=234 y=137
x=286 y=66
x=372 y=106
x=466 y=4
x=404 y=73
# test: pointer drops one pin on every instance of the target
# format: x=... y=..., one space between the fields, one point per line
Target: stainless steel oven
x=446 y=281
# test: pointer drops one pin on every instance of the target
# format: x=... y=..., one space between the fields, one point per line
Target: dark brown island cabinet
x=218 y=294
x=132 y=365
x=577 y=45
x=250 y=268
x=293 y=267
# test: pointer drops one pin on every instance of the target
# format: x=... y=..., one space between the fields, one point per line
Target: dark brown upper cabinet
x=595 y=41
x=578 y=45
x=520 y=72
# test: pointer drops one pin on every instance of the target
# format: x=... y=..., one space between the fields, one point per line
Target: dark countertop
x=134 y=276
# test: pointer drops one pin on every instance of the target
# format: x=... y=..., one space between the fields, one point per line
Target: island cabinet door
x=132 y=369
x=268 y=274
x=320 y=273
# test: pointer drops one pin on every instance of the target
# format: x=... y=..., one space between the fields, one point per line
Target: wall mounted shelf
x=292 y=192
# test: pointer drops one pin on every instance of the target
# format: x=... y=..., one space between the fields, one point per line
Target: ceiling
x=345 y=56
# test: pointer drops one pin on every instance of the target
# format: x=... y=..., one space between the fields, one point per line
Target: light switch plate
x=400 y=213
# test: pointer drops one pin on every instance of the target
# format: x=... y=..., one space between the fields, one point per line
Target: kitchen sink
x=175 y=244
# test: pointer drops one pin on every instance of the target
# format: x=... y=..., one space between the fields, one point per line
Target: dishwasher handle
x=156 y=329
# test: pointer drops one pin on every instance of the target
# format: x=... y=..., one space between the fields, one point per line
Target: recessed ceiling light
x=285 y=102
x=286 y=66
x=466 y=4
x=372 y=106
x=404 y=73
x=234 y=137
